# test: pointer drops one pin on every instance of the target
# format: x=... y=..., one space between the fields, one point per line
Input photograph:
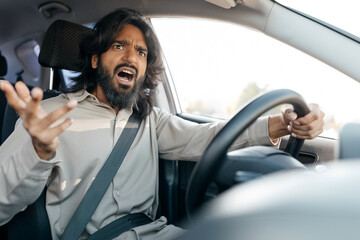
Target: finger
x=313 y=126
x=56 y=131
x=304 y=132
x=57 y=114
x=23 y=91
x=51 y=133
x=308 y=131
x=314 y=115
x=307 y=135
x=37 y=94
x=12 y=97
x=34 y=104
x=296 y=125
x=288 y=112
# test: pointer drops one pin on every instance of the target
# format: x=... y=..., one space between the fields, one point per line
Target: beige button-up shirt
x=82 y=151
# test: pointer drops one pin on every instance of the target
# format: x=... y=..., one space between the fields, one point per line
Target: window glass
x=68 y=75
x=217 y=67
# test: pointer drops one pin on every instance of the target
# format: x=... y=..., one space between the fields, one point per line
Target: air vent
x=50 y=9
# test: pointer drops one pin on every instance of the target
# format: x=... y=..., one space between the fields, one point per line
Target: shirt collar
x=81 y=96
x=85 y=95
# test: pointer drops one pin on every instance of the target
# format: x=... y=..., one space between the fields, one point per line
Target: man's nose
x=130 y=55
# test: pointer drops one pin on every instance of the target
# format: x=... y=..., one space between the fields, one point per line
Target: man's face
x=121 y=69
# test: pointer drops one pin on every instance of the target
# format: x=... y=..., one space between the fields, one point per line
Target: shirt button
x=118 y=194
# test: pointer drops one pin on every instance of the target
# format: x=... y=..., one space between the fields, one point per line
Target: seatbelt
x=120 y=225
x=102 y=180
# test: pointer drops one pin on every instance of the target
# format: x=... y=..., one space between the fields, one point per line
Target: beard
x=118 y=96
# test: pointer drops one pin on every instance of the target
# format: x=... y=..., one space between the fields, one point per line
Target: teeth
x=128 y=72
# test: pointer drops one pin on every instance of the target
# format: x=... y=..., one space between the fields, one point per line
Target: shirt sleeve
x=179 y=139
x=23 y=175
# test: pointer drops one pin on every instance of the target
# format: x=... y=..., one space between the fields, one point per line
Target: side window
x=217 y=67
x=68 y=75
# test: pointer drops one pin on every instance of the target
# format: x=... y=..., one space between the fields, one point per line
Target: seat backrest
x=2 y=111
x=10 y=116
x=3 y=72
x=3 y=66
x=60 y=49
x=33 y=221
x=8 y=122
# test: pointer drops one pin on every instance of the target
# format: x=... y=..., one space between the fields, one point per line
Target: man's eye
x=118 y=46
x=143 y=54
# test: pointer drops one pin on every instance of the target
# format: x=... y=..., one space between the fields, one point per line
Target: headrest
x=60 y=47
x=3 y=65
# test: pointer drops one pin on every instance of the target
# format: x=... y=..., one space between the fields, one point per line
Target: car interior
x=39 y=39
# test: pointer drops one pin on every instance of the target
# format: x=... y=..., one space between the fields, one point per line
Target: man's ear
x=94 y=61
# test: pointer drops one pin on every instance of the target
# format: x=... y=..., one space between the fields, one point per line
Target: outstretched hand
x=35 y=120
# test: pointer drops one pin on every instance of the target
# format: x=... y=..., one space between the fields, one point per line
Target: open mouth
x=126 y=76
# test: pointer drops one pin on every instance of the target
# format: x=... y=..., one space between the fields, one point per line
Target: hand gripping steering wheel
x=214 y=155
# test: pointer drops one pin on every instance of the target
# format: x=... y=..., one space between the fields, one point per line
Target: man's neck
x=99 y=94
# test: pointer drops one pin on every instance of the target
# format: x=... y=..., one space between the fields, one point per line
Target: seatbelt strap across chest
x=102 y=180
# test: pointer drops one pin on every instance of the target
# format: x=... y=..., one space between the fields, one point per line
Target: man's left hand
x=308 y=127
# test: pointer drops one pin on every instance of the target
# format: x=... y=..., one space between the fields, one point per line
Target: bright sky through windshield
x=205 y=71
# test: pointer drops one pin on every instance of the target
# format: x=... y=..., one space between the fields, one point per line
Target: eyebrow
x=126 y=42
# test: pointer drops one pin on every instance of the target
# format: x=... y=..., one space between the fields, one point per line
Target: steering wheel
x=213 y=158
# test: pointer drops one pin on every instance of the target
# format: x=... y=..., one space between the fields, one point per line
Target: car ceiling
x=21 y=21
x=22 y=17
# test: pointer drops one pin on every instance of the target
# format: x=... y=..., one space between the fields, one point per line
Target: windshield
x=341 y=14
x=258 y=65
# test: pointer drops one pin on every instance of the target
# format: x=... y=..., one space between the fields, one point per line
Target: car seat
x=60 y=50
x=3 y=71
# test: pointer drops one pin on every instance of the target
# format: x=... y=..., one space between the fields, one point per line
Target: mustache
x=126 y=65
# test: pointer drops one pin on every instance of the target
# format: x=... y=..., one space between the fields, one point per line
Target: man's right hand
x=35 y=120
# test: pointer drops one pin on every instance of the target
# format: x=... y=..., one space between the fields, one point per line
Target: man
x=63 y=142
